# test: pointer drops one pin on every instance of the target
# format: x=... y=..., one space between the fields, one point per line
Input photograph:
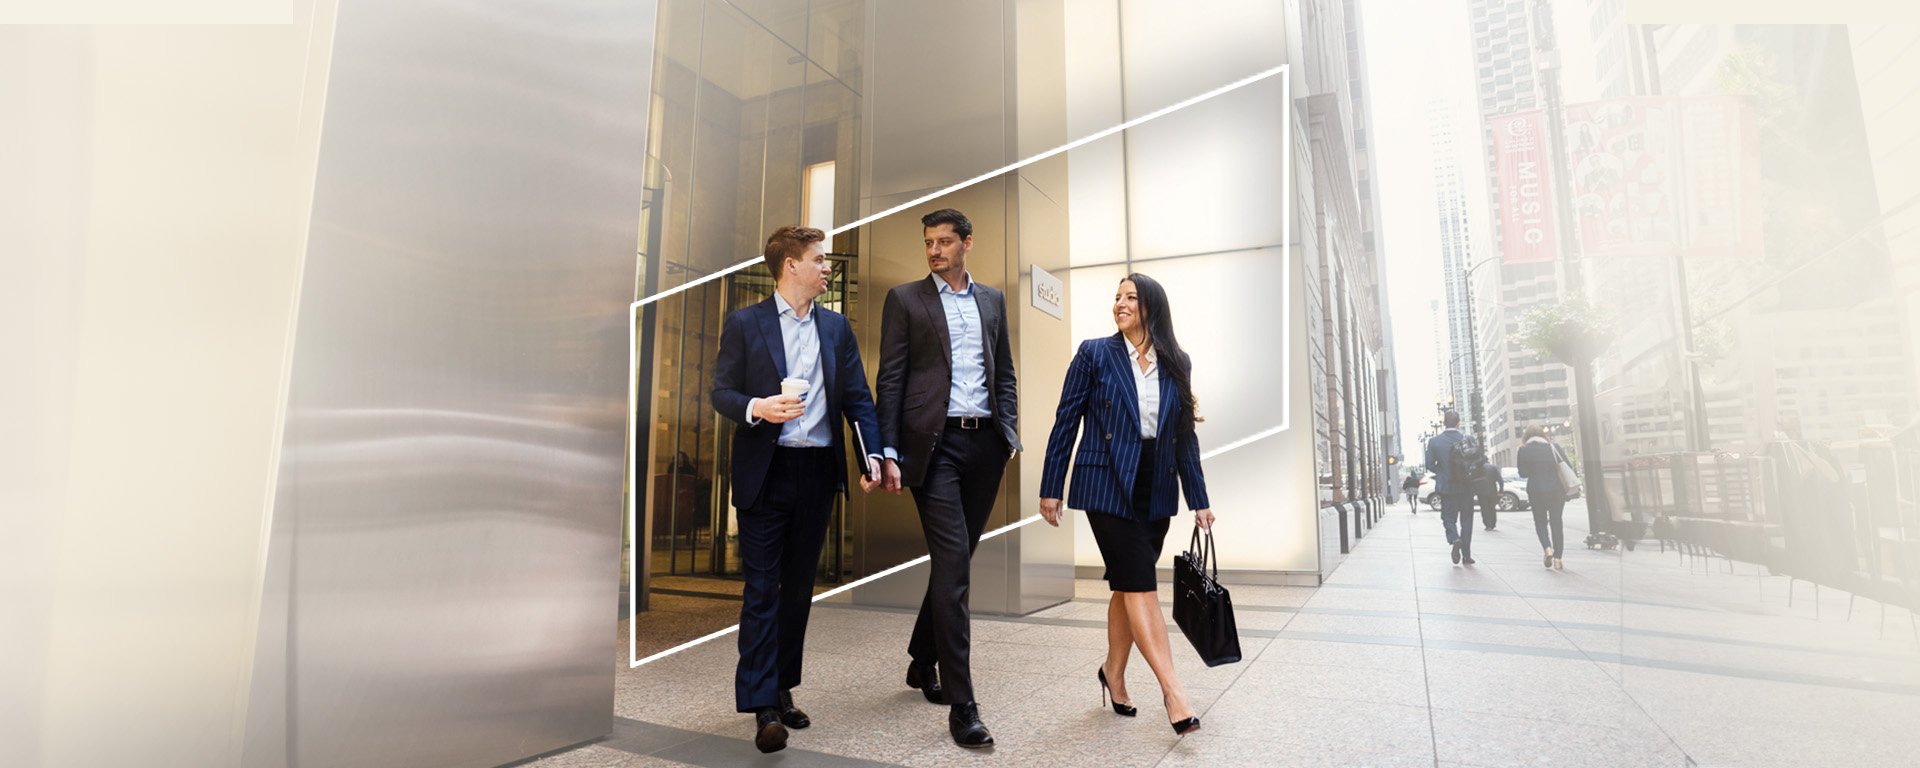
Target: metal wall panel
x=453 y=457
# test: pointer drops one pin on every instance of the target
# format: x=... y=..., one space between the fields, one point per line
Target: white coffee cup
x=795 y=386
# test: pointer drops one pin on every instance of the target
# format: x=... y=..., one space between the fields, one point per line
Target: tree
x=1573 y=331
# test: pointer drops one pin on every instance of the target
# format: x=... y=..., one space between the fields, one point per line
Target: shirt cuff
x=890 y=453
x=751 y=421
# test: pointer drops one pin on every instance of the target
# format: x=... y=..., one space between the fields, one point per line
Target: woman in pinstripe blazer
x=1134 y=392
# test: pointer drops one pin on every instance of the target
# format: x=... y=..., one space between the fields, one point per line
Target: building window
x=816 y=196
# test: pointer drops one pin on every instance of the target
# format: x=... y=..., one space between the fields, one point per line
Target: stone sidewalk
x=1400 y=659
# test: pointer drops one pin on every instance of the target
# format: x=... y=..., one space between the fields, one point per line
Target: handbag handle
x=1204 y=553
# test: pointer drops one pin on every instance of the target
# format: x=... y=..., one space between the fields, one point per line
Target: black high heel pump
x=1106 y=695
x=1182 y=727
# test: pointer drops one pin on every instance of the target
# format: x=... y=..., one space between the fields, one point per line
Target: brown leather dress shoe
x=769 y=735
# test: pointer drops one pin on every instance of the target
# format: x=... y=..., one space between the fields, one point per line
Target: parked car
x=1513 y=494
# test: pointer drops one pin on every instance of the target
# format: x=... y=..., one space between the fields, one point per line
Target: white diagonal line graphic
x=1163 y=111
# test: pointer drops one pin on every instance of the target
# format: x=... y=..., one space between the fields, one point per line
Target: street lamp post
x=1475 y=405
x=1547 y=63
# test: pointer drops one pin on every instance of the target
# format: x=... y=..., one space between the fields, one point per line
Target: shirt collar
x=1153 y=364
x=942 y=286
x=780 y=302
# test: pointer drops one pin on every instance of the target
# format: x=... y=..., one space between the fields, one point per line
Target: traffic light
x=1392 y=460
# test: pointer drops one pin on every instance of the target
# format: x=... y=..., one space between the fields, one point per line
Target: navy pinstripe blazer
x=1100 y=391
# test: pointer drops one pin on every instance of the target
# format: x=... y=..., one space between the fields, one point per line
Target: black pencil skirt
x=1131 y=545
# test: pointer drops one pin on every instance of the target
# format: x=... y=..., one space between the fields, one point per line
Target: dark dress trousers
x=784 y=495
x=953 y=471
x=1456 y=504
x=1130 y=485
x=1489 y=496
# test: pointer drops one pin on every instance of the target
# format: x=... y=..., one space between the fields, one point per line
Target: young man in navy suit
x=789 y=459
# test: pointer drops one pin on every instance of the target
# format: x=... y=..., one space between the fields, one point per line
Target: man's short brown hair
x=789 y=242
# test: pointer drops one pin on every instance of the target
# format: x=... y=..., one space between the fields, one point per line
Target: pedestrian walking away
x=1539 y=462
x=1453 y=482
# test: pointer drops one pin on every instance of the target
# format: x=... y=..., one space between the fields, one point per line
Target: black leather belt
x=967 y=422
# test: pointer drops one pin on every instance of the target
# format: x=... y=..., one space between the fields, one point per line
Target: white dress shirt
x=801 y=341
x=967 y=345
x=1147 y=384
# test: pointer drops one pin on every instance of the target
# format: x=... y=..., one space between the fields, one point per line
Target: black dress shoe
x=968 y=731
x=923 y=677
x=1456 y=553
x=791 y=716
x=769 y=735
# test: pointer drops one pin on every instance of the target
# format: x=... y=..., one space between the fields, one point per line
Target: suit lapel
x=768 y=314
x=937 y=317
x=1167 y=394
x=1117 y=352
x=829 y=340
x=989 y=314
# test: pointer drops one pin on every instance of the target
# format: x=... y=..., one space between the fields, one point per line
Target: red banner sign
x=1623 y=154
x=1524 y=197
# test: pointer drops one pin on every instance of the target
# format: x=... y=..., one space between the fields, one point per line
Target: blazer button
x=1109 y=404
x=1169 y=470
x=1109 y=435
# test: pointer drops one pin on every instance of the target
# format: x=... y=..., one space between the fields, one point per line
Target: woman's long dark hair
x=1157 y=313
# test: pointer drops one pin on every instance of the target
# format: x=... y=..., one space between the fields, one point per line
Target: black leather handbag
x=1202 y=607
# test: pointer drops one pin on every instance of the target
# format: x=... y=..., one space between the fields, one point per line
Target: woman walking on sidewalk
x=1134 y=392
x=1539 y=462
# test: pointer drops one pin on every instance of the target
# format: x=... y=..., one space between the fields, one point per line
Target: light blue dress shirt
x=801 y=338
x=966 y=341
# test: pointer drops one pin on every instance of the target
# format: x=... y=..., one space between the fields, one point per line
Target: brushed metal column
x=447 y=521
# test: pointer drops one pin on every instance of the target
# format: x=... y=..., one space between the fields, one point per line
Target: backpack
x=1466 y=464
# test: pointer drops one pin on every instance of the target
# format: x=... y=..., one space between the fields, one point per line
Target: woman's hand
x=1050 y=509
x=1204 y=517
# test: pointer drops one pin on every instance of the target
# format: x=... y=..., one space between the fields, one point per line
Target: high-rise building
x=1387 y=406
x=1519 y=386
x=1442 y=378
x=1456 y=257
x=1620 y=65
x=1340 y=270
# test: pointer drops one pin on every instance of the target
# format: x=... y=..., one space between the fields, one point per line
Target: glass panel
x=832 y=136
x=1161 y=42
x=1204 y=179
x=835 y=39
x=782 y=19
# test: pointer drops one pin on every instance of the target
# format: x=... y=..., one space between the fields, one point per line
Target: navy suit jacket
x=753 y=360
x=1100 y=391
x=1439 y=457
